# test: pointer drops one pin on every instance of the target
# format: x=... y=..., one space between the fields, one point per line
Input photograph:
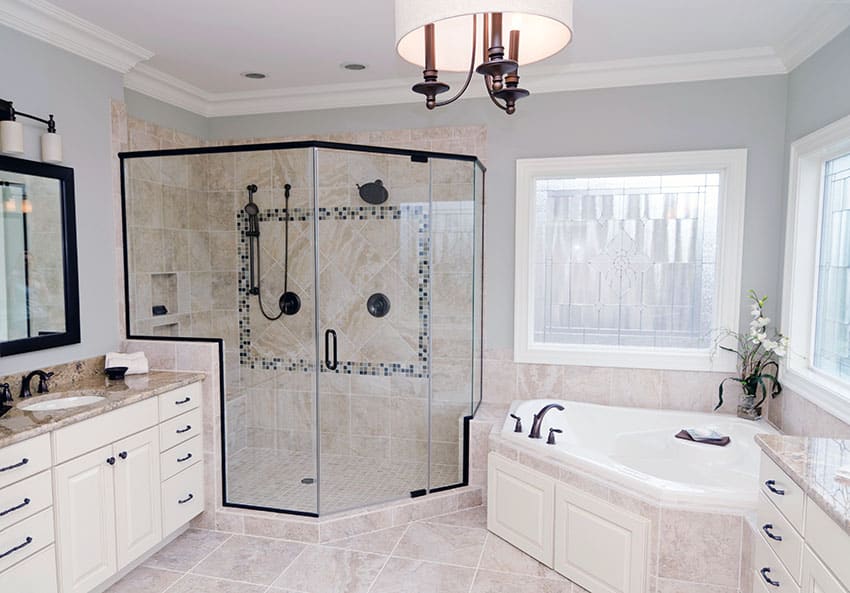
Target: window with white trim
x=628 y=260
x=815 y=308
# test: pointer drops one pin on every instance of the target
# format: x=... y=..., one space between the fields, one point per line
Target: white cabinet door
x=520 y=507
x=599 y=545
x=816 y=577
x=138 y=519
x=85 y=520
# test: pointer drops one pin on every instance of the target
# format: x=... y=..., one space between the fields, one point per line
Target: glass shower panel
x=453 y=241
x=373 y=239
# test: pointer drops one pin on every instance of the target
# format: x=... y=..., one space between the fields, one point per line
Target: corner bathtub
x=635 y=448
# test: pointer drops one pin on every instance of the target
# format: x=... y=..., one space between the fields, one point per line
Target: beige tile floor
x=272 y=479
x=449 y=554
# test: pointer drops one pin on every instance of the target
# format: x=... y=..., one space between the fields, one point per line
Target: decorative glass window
x=624 y=259
x=816 y=277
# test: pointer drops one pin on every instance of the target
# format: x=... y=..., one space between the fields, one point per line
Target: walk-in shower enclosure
x=360 y=396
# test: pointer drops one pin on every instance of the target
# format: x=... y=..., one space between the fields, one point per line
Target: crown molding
x=540 y=79
x=820 y=27
x=67 y=31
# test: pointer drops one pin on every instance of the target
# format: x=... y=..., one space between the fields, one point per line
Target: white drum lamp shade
x=545 y=29
x=51 y=147
x=11 y=137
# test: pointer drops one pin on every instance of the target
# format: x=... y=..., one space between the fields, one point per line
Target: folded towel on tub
x=698 y=436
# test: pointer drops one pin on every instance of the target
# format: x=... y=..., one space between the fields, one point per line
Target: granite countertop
x=18 y=425
x=811 y=462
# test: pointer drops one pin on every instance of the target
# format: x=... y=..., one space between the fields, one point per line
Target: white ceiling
x=200 y=47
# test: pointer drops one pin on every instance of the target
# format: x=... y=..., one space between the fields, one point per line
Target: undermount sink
x=62 y=403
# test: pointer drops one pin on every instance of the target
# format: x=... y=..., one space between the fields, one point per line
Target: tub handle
x=767 y=528
x=518 y=426
x=764 y=572
x=551 y=439
x=771 y=485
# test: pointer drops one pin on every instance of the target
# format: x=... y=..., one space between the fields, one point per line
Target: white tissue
x=136 y=362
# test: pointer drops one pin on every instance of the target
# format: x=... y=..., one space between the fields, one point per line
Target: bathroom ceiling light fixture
x=12 y=134
x=446 y=33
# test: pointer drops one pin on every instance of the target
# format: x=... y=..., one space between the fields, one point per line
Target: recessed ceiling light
x=254 y=75
x=354 y=66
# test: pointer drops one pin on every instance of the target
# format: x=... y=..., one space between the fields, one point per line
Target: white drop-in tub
x=635 y=448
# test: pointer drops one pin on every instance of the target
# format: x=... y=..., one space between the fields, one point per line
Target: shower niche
x=345 y=282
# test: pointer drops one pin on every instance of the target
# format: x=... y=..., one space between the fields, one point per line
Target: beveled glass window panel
x=626 y=261
x=832 y=315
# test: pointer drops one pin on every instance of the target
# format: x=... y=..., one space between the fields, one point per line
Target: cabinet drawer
x=179 y=401
x=816 y=577
x=770 y=574
x=782 y=491
x=24 y=459
x=182 y=428
x=88 y=435
x=182 y=498
x=829 y=541
x=780 y=536
x=181 y=457
x=36 y=574
x=25 y=498
x=23 y=539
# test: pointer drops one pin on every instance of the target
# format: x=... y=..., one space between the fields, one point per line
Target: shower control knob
x=551 y=439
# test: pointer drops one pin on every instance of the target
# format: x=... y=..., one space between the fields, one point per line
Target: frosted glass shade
x=545 y=28
x=11 y=137
x=51 y=147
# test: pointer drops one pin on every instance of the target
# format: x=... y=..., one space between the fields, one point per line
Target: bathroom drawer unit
x=780 y=537
x=179 y=401
x=817 y=578
x=181 y=456
x=182 y=498
x=829 y=542
x=88 y=435
x=24 y=459
x=782 y=492
x=180 y=429
x=770 y=573
x=25 y=498
x=23 y=539
x=36 y=574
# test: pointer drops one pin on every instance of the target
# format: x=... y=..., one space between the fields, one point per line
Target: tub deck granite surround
x=18 y=425
x=812 y=462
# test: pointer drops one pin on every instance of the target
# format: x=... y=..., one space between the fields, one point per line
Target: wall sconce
x=12 y=134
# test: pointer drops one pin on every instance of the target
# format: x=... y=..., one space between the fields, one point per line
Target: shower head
x=251 y=208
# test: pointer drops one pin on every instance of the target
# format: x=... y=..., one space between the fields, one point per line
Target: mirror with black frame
x=39 y=298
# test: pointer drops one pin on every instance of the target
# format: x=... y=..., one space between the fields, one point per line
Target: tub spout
x=538 y=420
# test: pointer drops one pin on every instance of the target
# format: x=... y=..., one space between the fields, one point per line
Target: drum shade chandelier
x=444 y=35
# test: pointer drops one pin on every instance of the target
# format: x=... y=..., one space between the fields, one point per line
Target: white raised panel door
x=520 y=506
x=816 y=577
x=598 y=545
x=138 y=517
x=85 y=520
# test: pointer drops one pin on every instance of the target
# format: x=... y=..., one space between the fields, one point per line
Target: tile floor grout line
x=389 y=557
x=478 y=564
x=194 y=566
x=291 y=562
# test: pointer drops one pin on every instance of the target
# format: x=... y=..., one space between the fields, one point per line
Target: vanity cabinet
x=800 y=549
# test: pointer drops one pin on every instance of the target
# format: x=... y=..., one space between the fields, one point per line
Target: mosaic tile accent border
x=415 y=212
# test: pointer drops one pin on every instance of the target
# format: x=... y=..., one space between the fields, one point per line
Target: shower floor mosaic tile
x=273 y=479
x=449 y=554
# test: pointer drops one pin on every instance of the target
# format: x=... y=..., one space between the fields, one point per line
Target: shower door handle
x=330 y=363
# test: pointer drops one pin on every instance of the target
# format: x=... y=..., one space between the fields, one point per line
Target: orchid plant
x=758 y=351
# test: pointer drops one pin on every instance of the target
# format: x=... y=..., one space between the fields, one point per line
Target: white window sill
x=672 y=359
x=828 y=395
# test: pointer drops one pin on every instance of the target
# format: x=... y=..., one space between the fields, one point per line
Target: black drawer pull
x=767 y=527
x=23 y=462
x=182 y=430
x=764 y=572
x=771 y=485
x=187 y=499
x=123 y=455
x=15 y=508
x=27 y=542
x=185 y=400
x=182 y=459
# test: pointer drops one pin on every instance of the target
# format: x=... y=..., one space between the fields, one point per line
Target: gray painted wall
x=143 y=107
x=42 y=79
x=740 y=113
